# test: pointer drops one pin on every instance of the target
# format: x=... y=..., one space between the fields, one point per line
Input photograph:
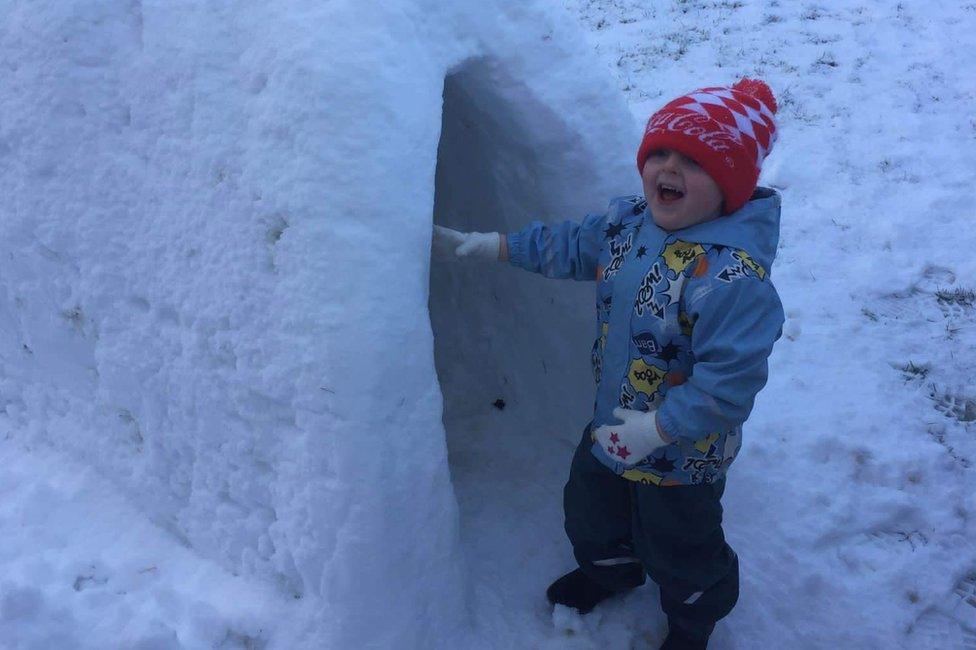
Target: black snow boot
x=679 y=639
x=577 y=590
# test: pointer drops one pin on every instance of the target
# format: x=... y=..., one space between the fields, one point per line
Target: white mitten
x=453 y=245
x=634 y=439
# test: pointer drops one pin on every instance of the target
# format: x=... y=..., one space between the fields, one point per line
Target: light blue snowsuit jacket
x=685 y=323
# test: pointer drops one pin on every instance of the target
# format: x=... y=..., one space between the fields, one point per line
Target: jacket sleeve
x=564 y=250
x=735 y=326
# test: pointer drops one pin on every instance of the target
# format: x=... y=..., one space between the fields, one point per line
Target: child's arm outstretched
x=735 y=326
x=564 y=250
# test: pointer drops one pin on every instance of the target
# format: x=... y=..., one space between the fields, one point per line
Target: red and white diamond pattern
x=752 y=118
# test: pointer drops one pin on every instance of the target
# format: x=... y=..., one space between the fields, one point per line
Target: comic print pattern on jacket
x=656 y=293
x=621 y=229
x=661 y=357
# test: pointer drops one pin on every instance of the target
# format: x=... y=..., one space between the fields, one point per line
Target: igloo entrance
x=511 y=347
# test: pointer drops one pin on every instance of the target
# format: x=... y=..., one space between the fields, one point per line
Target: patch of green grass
x=828 y=60
x=963 y=297
x=813 y=13
x=953 y=405
x=911 y=370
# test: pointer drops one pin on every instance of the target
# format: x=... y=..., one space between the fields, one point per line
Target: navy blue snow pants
x=620 y=529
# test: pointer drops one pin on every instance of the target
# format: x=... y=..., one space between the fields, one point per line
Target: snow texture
x=239 y=407
x=214 y=271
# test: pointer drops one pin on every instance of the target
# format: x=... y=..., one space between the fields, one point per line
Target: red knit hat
x=727 y=131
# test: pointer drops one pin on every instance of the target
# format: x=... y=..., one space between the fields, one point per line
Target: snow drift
x=214 y=271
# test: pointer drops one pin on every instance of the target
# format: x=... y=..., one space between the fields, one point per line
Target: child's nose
x=672 y=160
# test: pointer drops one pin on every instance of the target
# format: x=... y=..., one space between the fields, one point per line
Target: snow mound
x=214 y=269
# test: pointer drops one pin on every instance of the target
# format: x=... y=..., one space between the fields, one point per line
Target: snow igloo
x=216 y=288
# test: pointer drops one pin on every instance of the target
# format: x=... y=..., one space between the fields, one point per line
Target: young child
x=686 y=319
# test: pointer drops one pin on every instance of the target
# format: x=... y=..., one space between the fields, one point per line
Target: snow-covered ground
x=82 y=568
x=852 y=504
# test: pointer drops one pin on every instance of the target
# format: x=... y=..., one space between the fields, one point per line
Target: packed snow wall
x=214 y=270
x=198 y=295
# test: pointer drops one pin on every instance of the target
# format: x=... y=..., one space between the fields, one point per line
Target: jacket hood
x=753 y=228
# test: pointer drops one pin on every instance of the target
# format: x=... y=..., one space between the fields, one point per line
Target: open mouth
x=668 y=193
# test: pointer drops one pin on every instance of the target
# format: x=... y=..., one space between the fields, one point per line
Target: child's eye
x=658 y=153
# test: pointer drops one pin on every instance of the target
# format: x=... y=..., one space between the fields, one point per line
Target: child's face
x=679 y=192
